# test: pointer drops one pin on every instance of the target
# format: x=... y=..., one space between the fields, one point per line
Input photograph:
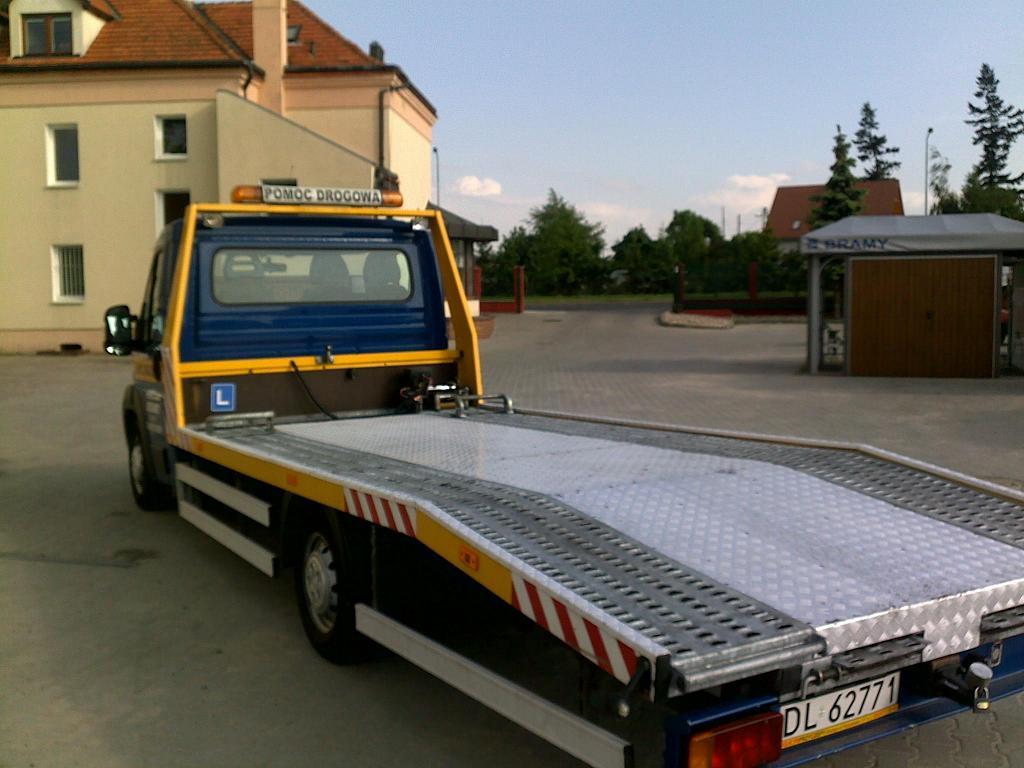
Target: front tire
x=150 y=494
x=331 y=576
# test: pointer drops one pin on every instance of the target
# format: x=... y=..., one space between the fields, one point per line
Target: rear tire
x=150 y=494
x=332 y=574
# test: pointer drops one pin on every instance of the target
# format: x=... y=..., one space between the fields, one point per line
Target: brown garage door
x=922 y=317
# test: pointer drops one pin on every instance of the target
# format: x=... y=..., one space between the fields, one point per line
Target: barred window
x=68 y=273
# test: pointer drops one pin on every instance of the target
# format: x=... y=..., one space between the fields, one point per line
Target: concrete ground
x=130 y=639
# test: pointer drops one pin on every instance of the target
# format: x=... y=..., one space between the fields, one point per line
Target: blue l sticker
x=222 y=398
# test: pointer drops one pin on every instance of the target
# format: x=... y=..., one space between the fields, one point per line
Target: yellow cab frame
x=465 y=352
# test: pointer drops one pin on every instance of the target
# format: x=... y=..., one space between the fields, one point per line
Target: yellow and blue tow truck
x=300 y=398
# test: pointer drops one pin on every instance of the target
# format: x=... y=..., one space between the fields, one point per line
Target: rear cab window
x=247 y=276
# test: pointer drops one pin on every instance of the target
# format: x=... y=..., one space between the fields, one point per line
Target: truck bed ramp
x=714 y=558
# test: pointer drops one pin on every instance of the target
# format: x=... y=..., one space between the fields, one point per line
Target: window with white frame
x=62 y=155
x=171 y=137
x=68 y=274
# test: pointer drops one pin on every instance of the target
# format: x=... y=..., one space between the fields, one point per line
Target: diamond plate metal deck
x=710 y=632
x=803 y=539
x=935 y=497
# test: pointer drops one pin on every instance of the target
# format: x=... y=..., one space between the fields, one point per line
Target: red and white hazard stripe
x=600 y=646
x=382 y=511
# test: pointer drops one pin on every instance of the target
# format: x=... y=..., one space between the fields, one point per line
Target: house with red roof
x=789 y=217
x=117 y=113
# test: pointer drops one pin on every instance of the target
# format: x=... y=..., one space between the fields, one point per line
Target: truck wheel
x=149 y=493
x=331 y=576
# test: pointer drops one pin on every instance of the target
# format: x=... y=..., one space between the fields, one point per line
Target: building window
x=46 y=34
x=62 y=155
x=68 y=274
x=171 y=137
x=796 y=224
x=293 y=33
x=171 y=205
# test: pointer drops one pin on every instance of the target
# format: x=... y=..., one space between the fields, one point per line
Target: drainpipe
x=380 y=124
x=245 y=86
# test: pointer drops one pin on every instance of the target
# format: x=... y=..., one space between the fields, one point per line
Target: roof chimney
x=270 y=49
x=377 y=51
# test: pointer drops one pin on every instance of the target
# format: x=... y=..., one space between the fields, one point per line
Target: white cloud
x=474 y=186
x=619 y=219
x=606 y=211
x=744 y=194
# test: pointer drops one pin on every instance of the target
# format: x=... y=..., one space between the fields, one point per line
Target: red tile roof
x=164 y=32
x=319 y=44
x=144 y=33
x=793 y=205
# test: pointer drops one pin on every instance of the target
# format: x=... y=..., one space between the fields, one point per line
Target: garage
x=926 y=296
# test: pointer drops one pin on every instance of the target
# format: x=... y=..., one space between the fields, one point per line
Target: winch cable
x=309 y=392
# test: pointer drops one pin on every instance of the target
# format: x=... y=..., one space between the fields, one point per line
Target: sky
x=633 y=110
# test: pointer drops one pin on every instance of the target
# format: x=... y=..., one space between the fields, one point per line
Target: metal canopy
x=900 y=236
x=952 y=233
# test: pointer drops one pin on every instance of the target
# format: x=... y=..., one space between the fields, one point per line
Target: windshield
x=284 y=276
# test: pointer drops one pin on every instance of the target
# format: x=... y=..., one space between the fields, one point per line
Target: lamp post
x=926 y=137
x=437 y=178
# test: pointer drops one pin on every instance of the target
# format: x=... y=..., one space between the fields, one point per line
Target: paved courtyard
x=129 y=638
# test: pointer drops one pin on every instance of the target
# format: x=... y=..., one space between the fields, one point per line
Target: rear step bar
x=570 y=733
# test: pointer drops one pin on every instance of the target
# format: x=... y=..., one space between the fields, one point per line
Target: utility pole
x=926 y=161
x=437 y=178
x=723 y=221
x=763 y=216
x=738 y=215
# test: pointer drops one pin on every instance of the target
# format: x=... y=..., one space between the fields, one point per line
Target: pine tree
x=841 y=198
x=996 y=127
x=871 y=147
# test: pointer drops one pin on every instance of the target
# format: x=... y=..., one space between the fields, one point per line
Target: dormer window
x=293 y=33
x=47 y=34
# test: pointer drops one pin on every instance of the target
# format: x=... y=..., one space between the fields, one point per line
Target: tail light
x=744 y=743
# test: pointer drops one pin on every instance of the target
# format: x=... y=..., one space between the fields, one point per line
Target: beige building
x=116 y=116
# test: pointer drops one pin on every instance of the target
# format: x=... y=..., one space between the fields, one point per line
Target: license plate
x=838 y=710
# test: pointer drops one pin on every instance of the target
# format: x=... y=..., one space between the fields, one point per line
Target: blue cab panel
x=231 y=313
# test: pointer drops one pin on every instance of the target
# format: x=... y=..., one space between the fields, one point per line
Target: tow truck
x=300 y=397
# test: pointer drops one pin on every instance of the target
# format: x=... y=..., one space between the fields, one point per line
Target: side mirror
x=117 y=336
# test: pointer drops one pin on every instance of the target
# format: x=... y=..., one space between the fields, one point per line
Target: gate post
x=519 y=287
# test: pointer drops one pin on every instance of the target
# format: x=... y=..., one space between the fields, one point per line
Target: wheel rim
x=137 y=467
x=320 y=583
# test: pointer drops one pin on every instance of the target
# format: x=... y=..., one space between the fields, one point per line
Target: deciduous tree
x=647 y=262
x=560 y=249
x=692 y=240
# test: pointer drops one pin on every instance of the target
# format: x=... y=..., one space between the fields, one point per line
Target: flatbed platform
x=713 y=557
